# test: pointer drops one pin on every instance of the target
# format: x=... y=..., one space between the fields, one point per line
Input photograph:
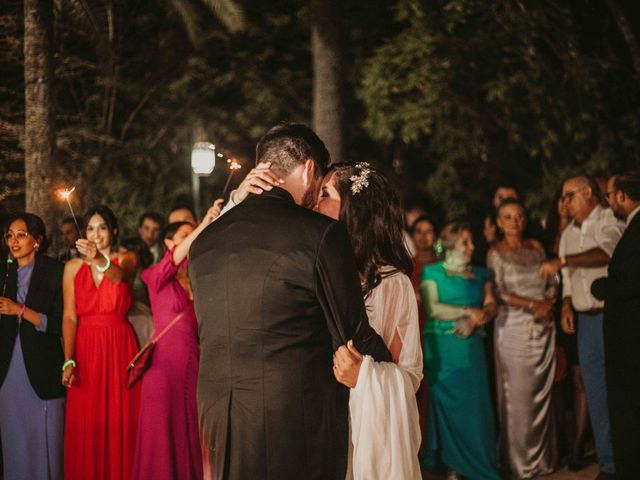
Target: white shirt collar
x=632 y=214
x=595 y=213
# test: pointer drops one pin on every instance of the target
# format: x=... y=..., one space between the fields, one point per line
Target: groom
x=276 y=292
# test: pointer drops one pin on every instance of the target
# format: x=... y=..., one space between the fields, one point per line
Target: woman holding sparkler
x=102 y=414
x=31 y=397
x=168 y=446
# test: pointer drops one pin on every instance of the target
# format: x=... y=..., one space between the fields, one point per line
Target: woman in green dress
x=459 y=300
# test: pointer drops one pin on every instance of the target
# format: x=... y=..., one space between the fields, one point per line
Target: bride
x=385 y=430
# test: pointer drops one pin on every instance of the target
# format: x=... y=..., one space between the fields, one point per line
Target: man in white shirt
x=586 y=246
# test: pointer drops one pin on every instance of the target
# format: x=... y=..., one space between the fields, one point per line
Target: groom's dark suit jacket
x=276 y=291
x=621 y=294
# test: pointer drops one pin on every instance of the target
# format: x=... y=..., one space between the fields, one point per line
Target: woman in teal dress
x=459 y=300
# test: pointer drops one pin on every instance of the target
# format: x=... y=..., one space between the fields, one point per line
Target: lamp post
x=203 y=160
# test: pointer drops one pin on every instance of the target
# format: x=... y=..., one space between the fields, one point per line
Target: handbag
x=142 y=360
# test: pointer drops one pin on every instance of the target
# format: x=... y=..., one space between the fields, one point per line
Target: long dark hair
x=552 y=225
x=375 y=221
x=109 y=218
x=169 y=231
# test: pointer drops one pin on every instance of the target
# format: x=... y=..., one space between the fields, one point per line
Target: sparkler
x=65 y=194
x=233 y=166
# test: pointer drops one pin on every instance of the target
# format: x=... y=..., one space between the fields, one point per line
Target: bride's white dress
x=385 y=430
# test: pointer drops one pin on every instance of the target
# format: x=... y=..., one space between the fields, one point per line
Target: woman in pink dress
x=102 y=414
x=168 y=445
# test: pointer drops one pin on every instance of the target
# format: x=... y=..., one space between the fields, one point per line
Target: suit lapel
x=38 y=277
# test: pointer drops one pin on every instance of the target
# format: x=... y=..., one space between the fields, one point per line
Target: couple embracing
x=280 y=299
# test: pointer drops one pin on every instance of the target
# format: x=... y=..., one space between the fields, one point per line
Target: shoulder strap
x=168 y=327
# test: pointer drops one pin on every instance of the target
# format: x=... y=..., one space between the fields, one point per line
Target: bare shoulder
x=496 y=249
x=72 y=266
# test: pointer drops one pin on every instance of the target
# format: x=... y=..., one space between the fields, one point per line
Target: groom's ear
x=308 y=172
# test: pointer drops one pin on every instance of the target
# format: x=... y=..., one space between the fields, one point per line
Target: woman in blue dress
x=31 y=393
x=459 y=300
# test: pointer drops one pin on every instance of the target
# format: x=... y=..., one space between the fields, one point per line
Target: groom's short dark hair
x=288 y=145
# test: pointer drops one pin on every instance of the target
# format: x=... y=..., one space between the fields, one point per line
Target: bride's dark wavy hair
x=374 y=218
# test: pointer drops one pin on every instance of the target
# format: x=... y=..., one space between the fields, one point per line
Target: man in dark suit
x=277 y=291
x=621 y=293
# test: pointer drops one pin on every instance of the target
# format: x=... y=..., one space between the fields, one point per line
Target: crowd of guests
x=482 y=347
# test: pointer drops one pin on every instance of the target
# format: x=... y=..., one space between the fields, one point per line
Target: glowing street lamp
x=203 y=158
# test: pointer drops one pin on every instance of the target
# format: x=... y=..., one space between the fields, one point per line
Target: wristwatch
x=563 y=261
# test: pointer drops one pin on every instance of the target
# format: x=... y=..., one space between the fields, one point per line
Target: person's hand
x=87 y=249
x=9 y=307
x=214 y=211
x=542 y=311
x=258 y=180
x=68 y=378
x=550 y=268
x=346 y=364
x=476 y=317
x=568 y=318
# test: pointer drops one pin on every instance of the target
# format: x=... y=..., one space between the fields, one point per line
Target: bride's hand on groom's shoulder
x=258 y=180
x=346 y=364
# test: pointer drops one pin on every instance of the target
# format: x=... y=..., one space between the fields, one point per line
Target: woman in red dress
x=102 y=414
x=423 y=234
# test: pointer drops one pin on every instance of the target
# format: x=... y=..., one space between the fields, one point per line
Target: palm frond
x=228 y=12
x=190 y=19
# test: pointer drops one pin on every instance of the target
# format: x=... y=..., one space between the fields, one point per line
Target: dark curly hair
x=375 y=221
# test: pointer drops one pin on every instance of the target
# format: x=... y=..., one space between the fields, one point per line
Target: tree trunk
x=627 y=33
x=39 y=135
x=328 y=77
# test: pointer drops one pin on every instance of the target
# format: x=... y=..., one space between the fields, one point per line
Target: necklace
x=453 y=268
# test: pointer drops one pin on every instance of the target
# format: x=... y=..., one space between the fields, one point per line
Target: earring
x=36 y=246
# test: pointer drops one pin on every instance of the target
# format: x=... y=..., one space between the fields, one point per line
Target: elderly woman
x=524 y=336
x=459 y=300
x=31 y=396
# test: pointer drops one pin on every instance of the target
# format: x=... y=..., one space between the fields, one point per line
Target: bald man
x=586 y=246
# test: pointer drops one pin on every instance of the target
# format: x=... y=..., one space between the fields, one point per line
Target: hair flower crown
x=360 y=181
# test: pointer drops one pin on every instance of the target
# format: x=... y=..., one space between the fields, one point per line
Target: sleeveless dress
x=102 y=414
x=525 y=368
x=461 y=434
x=168 y=446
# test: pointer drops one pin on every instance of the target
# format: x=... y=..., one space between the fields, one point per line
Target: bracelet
x=67 y=363
x=23 y=307
x=107 y=265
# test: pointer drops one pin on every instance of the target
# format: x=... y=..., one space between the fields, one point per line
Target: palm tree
x=100 y=20
x=328 y=76
x=39 y=135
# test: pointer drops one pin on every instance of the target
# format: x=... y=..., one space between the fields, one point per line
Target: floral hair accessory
x=360 y=181
x=438 y=248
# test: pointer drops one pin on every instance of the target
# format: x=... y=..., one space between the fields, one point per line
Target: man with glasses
x=586 y=246
x=621 y=294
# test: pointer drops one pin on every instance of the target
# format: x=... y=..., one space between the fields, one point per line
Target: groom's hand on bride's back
x=258 y=180
x=346 y=364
